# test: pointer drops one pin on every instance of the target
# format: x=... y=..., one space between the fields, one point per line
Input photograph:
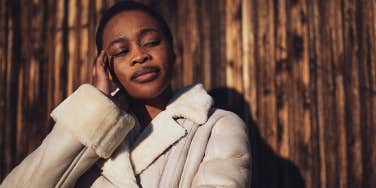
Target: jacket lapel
x=162 y=132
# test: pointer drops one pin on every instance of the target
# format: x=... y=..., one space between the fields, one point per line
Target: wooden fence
x=301 y=73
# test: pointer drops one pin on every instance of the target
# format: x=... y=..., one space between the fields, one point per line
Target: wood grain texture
x=301 y=73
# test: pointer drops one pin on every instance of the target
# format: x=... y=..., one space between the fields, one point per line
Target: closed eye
x=152 y=43
x=121 y=52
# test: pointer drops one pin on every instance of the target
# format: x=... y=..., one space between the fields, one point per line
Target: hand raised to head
x=101 y=79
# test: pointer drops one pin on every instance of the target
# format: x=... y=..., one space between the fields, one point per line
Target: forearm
x=88 y=126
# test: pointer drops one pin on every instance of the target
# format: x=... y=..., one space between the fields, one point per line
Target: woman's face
x=142 y=57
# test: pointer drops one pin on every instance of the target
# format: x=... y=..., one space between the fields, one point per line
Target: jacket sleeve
x=88 y=126
x=227 y=157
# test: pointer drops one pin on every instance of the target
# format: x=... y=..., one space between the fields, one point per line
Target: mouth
x=145 y=74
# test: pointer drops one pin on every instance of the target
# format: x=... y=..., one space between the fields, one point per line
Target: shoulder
x=223 y=119
x=228 y=126
x=228 y=135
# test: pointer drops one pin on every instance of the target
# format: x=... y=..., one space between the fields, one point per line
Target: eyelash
x=152 y=43
x=121 y=53
x=148 y=44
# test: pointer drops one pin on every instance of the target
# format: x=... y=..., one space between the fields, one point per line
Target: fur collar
x=191 y=103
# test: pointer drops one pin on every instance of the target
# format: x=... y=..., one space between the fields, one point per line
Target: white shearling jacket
x=95 y=144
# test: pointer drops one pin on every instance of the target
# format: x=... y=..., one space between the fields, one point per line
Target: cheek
x=164 y=58
x=169 y=65
x=122 y=72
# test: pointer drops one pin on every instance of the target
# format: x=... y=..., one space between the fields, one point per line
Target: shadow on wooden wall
x=268 y=168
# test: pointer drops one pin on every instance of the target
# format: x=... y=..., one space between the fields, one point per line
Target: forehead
x=127 y=24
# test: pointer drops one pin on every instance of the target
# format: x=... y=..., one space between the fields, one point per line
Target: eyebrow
x=145 y=31
x=141 y=33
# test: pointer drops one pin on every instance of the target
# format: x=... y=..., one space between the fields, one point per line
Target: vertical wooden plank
x=11 y=85
x=4 y=15
x=351 y=71
x=249 y=63
x=100 y=5
x=250 y=86
x=50 y=53
x=190 y=53
x=72 y=43
x=282 y=85
x=234 y=63
x=291 y=51
x=205 y=62
x=23 y=70
x=234 y=60
x=369 y=162
x=77 y=53
x=298 y=90
x=94 y=13
x=83 y=60
x=60 y=40
x=319 y=177
x=365 y=175
x=19 y=144
x=31 y=123
x=266 y=95
x=9 y=129
x=218 y=43
x=353 y=111
x=339 y=94
x=266 y=69
x=327 y=86
x=333 y=96
x=43 y=46
x=57 y=96
x=314 y=56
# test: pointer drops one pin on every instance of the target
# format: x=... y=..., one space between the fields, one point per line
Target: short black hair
x=126 y=6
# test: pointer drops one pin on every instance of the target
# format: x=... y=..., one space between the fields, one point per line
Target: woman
x=145 y=135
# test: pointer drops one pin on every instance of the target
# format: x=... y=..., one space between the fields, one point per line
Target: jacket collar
x=191 y=103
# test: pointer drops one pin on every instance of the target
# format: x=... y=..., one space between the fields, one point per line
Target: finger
x=97 y=61
x=100 y=57
x=101 y=67
x=106 y=62
x=100 y=77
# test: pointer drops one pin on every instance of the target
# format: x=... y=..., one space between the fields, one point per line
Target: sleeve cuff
x=94 y=119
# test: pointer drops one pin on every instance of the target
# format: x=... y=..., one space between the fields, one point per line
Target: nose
x=140 y=56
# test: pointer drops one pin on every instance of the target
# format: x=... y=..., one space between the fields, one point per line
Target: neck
x=146 y=110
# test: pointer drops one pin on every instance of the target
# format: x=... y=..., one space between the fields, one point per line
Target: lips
x=145 y=74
